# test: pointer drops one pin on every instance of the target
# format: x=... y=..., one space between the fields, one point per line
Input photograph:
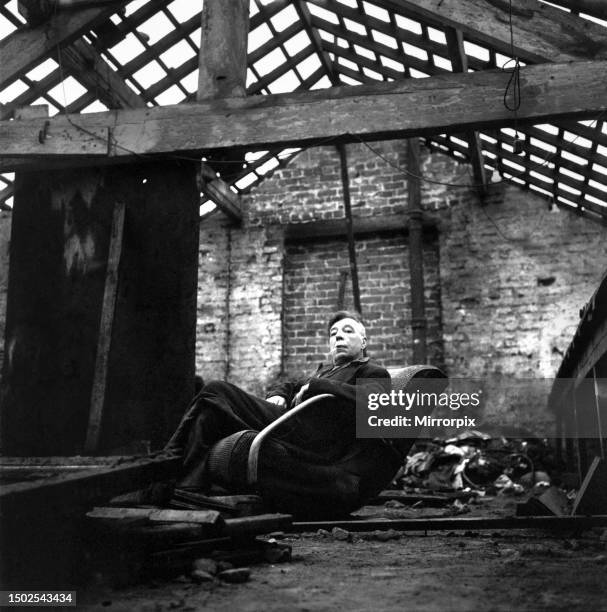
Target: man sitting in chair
x=313 y=465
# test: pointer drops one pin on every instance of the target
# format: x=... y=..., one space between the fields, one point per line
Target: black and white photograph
x=303 y=305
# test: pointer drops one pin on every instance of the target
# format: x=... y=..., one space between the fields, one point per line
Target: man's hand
x=278 y=400
x=299 y=396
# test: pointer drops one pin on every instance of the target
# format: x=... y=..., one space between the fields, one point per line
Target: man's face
x=346 y=340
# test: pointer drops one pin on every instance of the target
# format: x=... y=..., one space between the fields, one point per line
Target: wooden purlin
x=5 y=194
x=262 y=17
x=152 y=53
x=359 y=77
x=275 y=42
x=363 y=62
x=263 y=82
x=547 y=172
x=364 y=18
x=553 y=187
x=325 y=43
x=373 y=46
x=592 y=156
x=392 y=30
x=495 y=148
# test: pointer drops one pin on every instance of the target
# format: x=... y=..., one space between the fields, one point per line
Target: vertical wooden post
x=416 y=263
x=222 y=73
x=345 y=183
x=223 y=49
x=59 y=252
x=104 y=343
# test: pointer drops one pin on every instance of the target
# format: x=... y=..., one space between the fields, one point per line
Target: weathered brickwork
x=239 y=326
x=314 y=273
x=212 y=350
x=310 y=188
x=513 y=278
x=504 y=282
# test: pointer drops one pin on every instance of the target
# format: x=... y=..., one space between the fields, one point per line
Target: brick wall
x=313 y=274
x=513 y=277
x=494 y=310
x=504 y=282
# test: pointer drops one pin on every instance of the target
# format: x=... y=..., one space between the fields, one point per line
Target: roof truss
x=151 y=49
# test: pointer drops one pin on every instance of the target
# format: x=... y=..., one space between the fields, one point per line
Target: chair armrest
x=264 y=433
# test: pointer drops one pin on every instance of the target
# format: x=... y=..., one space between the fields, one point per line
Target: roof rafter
x=22 y=49
x=455 y=44
x=304 y=14
x=540 y=32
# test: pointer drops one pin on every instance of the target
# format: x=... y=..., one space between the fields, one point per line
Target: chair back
x=401 y=377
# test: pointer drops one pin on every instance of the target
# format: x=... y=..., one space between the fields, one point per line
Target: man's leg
x=219 y=410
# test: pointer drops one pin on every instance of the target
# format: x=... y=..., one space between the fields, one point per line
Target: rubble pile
x=476 y=463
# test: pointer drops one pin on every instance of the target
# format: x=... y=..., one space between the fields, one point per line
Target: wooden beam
x=306 y=18
x=219 y=192
x=399 y=109
x=94 y=72
x=222 y=74
x=88 y=67
x=75 y=492
x=38 y=11
x=336 y=228
x=223 y=49
x=79 y=4
x=598 y=8
x=541 y=32
x=459 y=61
x=211 y=518
x=104 y=341
x=458 y=523
x=35 y=11
x=24 y=48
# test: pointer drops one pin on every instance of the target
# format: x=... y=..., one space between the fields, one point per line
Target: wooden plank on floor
x=70 y=493
x=207 y=517
x=460 y=523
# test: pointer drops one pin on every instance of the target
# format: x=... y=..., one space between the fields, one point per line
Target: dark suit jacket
x=338 y=380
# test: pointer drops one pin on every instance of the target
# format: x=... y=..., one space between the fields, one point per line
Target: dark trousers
x=313 y=467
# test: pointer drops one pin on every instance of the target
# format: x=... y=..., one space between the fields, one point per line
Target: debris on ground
x=475 y=464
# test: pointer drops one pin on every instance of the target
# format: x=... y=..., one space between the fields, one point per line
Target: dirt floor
x=481 y=570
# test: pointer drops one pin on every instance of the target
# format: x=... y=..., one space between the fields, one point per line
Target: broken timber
x=347 y=114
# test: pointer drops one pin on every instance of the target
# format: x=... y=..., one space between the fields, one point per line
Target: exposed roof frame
x=385 y=110
x=540 y=32
x=455 y=44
